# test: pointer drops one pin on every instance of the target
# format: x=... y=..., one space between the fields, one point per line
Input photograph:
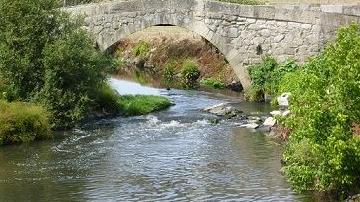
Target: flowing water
x=174 y=155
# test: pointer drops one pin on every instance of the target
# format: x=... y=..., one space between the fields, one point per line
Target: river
x=173 y=155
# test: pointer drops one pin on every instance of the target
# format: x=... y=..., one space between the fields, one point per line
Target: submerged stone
x=250 y=125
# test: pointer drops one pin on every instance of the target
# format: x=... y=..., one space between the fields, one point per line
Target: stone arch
x=107 y=39
x=241 y=32
x=119 y=25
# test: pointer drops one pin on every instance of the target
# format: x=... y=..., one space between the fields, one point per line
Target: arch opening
x=153 y=51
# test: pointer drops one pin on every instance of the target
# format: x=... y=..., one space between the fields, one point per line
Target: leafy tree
x=323 y=152
x=46 y=57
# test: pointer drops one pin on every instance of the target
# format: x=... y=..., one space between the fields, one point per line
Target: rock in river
x=223 y=110
x=270 y=122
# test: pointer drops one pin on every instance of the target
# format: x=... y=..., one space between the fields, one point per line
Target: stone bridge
x=242 y=33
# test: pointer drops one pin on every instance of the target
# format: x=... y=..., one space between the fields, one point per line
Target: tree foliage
x=323 y=152
x=46 y=57
x=265 y=77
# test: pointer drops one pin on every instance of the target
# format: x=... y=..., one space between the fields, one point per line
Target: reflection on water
x=131 y=88
x=174 y=155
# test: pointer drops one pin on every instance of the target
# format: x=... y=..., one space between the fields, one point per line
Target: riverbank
x=53 y=78
x=22 y=122
x=321 y=126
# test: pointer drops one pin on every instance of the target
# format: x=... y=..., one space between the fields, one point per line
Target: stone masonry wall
x=244 y=34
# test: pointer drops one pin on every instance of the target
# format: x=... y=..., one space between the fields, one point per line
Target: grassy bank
x=142 y=104
x=128 y=105
x=22 y=122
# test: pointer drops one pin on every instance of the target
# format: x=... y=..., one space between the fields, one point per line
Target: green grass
x=133 y=105
x=108 y=101
x=213 y=83
x=22 y=122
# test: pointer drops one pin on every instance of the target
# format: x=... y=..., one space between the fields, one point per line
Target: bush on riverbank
x=141 y=49
x=190 y=73
x=265 y=77
x=323 y=152
x=47 y=58
x=21 y=122
x=212 y=83
x=142 y=104
x=106 y=101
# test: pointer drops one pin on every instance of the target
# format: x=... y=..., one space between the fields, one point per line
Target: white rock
x=283 y=100
x=250 y=125
x=275 y=113
x=223 y=110
x=286 y=113
x=215 y=106
x=269 y=122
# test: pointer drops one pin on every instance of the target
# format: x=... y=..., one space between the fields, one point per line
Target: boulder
x=270 y=122
x=286 y=113
x=235 y=86
x=276 y=113
x=223 y=110
x=283 y=100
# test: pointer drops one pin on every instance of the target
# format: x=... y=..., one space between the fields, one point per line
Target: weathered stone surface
x=276 y=113
x=270 y=122
x=236 y=86
x=283 y=100
x=223 y=110
x=286 y=113
x=236 y=30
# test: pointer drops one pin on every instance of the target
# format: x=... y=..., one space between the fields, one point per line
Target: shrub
x=169 y=73
x=265 y=77
x=73 y=71
x=323 y=152
x=142 y=104
x=22 y=122
x=254 y=95
x=47 y=58
x=260 y=73
x=141 y=49
x=106 y=100
x=190 y=74
x=213 y=83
